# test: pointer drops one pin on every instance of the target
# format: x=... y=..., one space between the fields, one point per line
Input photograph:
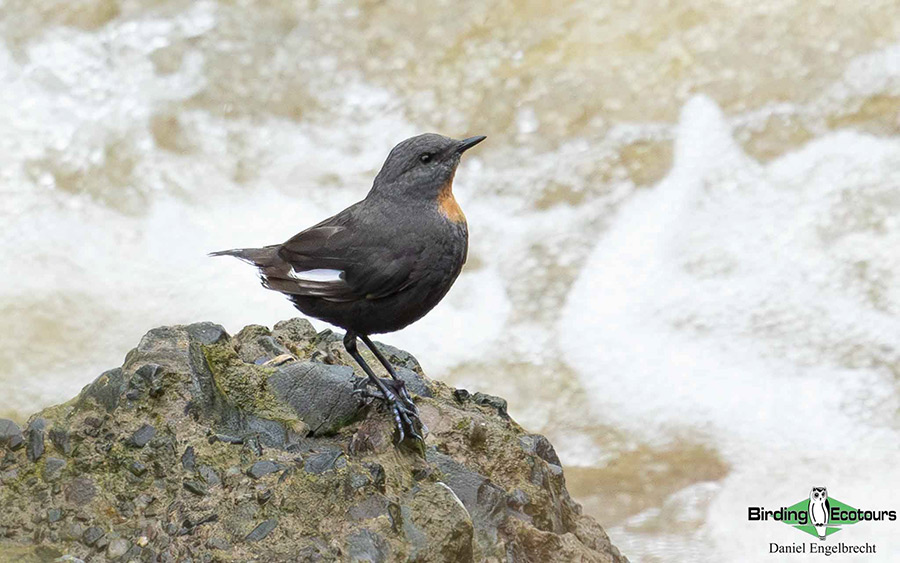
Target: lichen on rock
x=208 y=447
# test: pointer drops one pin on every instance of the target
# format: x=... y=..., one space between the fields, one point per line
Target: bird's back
x=371 y=268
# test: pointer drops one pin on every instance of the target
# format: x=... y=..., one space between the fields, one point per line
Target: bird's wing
x=336 y=262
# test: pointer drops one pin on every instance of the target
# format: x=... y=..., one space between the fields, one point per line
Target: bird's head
x=818 y=493
x=422 y=167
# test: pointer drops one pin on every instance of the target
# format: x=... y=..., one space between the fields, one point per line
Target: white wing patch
x=323 y=275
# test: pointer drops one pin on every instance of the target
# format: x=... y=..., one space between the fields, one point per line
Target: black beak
x=467 y=144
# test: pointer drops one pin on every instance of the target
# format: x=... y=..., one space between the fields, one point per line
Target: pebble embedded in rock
x=376 y=470
x=142 y=436
x=296 y=329
x=35 y=447
x=358 y=480
x=196 y=487
x=461 y=395
x=149 y=373
x=252 y=444
x=105 y=391
x=262 y=468
x=491 y=401
x=16 y=442
x=447 y=537
x=262 y=530
x=255 y=345
x=207 y=333
x=92 y=535
x=125 y=509
x=464 y=482
x=188 y=458
x=209 y=518
x=143 y=500
x=365 y=545
x=218 y=543
x=517 y=499
x=225 y=438
x=320 y=395
x=209 y=475
x=54 y=515
x=370 y=507
x=93 y=422
x=540 y=446
x=321 y=462
x=60 y=439
x=72 y=532
x=92 y=426
x=53 y=467
x=146 y=380
x=137 y=468
x=414 y=382
x=117 y=548
x=9 y=430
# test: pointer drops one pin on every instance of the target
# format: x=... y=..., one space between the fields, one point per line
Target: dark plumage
x=383 y=262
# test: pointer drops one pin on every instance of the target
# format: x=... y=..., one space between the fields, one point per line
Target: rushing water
x=685 y=221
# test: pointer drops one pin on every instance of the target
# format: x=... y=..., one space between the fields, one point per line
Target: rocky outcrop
x=204 y=447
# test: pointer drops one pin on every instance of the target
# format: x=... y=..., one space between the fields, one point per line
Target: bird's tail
x=259 y=257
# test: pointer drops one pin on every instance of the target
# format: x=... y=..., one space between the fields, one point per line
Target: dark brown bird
x=383 y=262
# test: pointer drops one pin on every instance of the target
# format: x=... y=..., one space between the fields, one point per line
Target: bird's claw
x=401 y=420
x=406 y=418
x=398 y=387
x=403 y=409
x=366 y=394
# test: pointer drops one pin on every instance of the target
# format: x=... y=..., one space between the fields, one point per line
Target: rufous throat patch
x=448 y=206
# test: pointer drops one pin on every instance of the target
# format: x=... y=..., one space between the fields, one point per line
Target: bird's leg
x=399 y=384
x=403 y=416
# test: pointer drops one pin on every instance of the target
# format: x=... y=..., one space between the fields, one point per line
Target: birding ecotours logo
x=820 y=515
x=819 y=510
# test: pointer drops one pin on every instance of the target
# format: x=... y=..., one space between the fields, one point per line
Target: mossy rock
x=196 y=448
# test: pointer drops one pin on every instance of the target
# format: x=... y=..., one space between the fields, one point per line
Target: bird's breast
x=448 y=206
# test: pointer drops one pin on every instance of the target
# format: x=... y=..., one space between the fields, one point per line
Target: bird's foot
x=404 y=410
x=395 y=387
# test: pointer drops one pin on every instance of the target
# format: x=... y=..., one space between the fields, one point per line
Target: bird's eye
x=426 y=158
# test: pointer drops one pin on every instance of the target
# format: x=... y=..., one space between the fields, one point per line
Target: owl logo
x=819 y=509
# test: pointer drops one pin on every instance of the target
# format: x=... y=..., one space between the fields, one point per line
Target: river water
x=684 y=224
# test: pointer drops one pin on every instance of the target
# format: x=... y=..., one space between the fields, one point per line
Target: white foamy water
x=107 y=234
x=722 y=324
x=757 y=305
